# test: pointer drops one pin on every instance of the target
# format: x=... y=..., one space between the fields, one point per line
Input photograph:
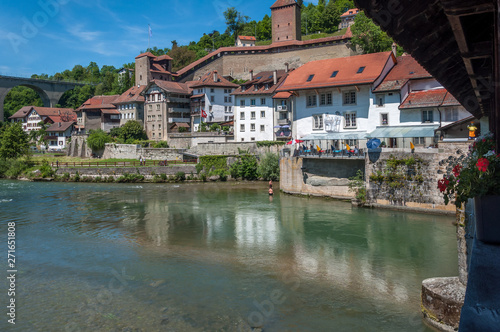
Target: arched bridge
x=49 y=91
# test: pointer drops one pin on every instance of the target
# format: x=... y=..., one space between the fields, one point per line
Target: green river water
x=213 y=257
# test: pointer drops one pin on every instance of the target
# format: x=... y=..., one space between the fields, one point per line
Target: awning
x=403 y=132
x=336 y=136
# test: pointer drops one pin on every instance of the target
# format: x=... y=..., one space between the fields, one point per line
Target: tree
x=39 y=137
x=331 y=17
x=18 y=97
x=132 y=130
x=368 y=36
x=14 y=142
x=234 y=21
x=269 y=167
x=97 y=140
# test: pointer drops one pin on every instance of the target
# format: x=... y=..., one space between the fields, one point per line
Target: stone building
x=286 y=21
x=98 y=112
x=131 y=105
x=149 y=67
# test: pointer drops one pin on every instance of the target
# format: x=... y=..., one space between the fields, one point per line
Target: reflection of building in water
x=157 y=223
x=256 y=229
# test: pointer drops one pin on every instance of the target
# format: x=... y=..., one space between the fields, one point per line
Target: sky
x=50 y=36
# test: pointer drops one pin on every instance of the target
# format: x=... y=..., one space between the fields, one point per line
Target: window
x=350 y=98
x=242 y=115
x=252 y=127
x=262 y=128
x=242 y=103
x=380 y=100
x=318 y=121
x=212 y=99
x=212 y=90
x=227 y=99
x=310 y=78
x=427 y=116
x=350 y=120
x=311 y=100
x=159 y=135
x=252 y=102
x=451 y=115
x=158 y=107
x=243 y=140
x=252 y=115
x=334 y=74
x=419 y=140
x=384 y=119
x=262 y=101
x=159 y=127
x=242 y=128
x=153 y=127
x=351 y=142
x=361 y=69
x=252 y=138
x=262 y=114
x=325 y=99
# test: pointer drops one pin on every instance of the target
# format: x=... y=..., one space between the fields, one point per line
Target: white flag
x=150 y=31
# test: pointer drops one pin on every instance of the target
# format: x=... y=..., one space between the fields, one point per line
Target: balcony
x=283 y=122
x=178 y=110
x=281 y=108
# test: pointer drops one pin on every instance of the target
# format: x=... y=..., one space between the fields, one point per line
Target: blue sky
x=49 y=36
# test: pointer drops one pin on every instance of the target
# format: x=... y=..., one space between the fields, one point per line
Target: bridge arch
x=49 y=91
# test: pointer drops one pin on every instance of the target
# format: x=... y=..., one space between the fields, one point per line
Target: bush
x=245 y=168
x=182 y=129
x=180 y=176
x=161 y=145
x=97 y=140
x=215 y=127
x=357 y=185
x=13 y=168
x=269 y=168
x=269 y=143
x=76 y=177
x=130 y=178
x=203 y=177
x=46 y=171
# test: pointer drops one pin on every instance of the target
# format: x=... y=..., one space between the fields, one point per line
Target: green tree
x=17 y=98
x=14 y=142
x=368 y=36
x=132 y=130
x=39 y=137
x=78 y=72
x=234 y=21
x=269 y=167
x=97 y=140
x=331 y=18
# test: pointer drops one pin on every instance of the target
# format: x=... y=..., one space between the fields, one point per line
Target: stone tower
x=286 y=21
x=142 y=68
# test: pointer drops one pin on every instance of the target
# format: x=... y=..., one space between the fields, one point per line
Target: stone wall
x=231 y=149
x=78 y=147
x=131 y=151
x=415 y=186
x=115 y=172
x=318 y=177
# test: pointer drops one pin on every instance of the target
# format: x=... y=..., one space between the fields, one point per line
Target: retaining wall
x=131 y=151
x=115 y=172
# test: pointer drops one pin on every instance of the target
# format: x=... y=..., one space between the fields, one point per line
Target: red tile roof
x=53 y=113
x=60 y=126
x=99 y=103
x=267 y=48
x=208 y=80
x=429 y=98
x=252 y=38
x=350 y=12
x=347 y=72
x=163 y=57
x=148 y=54
x=110 y=111
x=282 y=95
x=175 y=87
x=131 y=95
x=283 y=3
x=405 y=69
x=260 y=80
x=22 y=112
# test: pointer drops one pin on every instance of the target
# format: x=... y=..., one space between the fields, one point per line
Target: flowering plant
x=473 y=175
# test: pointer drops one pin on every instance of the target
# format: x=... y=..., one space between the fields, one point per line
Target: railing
x=342 y=154
x=106 y=164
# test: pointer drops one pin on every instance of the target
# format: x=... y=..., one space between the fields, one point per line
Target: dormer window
x=243 y=88
x=361 y=69
x=267 y=86
x=334 y=74
x=310 y=78
x=255 y=87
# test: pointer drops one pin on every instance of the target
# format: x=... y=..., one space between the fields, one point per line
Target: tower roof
x=283 y=3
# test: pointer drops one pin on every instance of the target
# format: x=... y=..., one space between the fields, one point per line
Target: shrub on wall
x=245 y=168
x=269 y=167
x=269 y=143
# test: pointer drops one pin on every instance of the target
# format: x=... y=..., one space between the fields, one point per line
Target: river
x=214 y=257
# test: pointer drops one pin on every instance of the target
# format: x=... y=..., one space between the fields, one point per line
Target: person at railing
x=356 y=150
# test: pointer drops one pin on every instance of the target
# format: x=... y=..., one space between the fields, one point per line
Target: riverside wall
x=115 y=172
x=132 y=151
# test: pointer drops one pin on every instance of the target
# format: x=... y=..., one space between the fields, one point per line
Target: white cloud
x=79 y=32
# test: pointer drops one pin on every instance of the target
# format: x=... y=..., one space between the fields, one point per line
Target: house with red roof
x=130 y=104
x=409 y=105
x=212 y=94
x=243 y=41
x=347 y=19
x=254 y=109
x=98 y=112
x=330 y=99
x=166 y=103
x=149 y=67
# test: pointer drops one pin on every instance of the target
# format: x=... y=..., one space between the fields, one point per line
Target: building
x=166 y=103
x=330 y=100
x=212 y=94
x=347 y=19
x=149 y=67
x=98 y=112
x=285 y=15
x=58 y=134
x=243 y=41
x=32 y=116
x=131 y=105
x=255 y=116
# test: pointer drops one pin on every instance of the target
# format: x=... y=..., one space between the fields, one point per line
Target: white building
x=58 y=135
x=243 y=41
x=130 y=104
x=254 y=110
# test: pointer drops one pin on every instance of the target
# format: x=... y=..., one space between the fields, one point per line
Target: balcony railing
x=281 y=108
x=283 y=122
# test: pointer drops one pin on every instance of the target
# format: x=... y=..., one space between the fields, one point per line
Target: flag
x=203 y=114
x=412 y=146
x=150 y=31
x=347 y=147
x=318 y=148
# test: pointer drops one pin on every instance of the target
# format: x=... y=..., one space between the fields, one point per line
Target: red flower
x=443 y=184
x=482 y=164
x=456 y=170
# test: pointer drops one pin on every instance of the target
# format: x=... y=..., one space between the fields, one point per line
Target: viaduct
x=49 y=91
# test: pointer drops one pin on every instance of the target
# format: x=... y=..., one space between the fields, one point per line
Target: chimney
x=59 y=125
x=395 y=49
x=215 y=75
x=286 y=67
x=251 y=75
x=275 y=77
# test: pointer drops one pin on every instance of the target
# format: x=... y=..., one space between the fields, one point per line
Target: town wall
x=115 y=172
x=231 y=149
x=131 y=151
x=238 y=66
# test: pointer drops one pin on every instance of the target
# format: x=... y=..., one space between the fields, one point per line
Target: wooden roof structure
x=454 y=40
